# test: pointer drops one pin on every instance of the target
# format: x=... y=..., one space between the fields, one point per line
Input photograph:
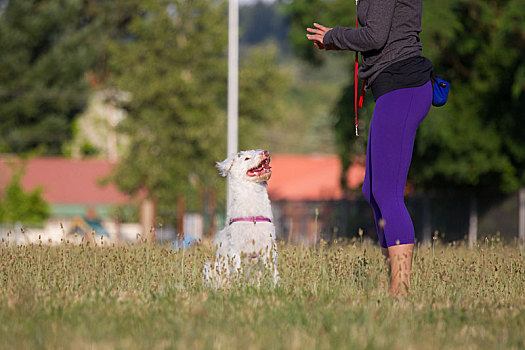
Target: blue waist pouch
x=440 y=89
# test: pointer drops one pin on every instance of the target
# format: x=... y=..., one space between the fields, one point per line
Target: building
x=77 y=194
x=312 y=177
x=74 y=190
x=306 y=192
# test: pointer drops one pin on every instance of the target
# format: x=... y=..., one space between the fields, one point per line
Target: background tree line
x=171 y=57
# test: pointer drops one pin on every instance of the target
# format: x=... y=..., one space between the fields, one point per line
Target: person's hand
x=317 y=36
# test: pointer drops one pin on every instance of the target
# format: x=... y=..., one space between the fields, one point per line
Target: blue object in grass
x=183 y=242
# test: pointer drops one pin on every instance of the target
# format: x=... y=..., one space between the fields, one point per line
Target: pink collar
x=253 y=219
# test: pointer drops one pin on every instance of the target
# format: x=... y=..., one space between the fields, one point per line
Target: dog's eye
x=247 y=158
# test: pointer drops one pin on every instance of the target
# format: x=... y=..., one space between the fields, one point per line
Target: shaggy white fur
x=248 y=238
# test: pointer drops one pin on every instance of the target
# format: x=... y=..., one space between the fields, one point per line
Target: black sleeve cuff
x=327 y=40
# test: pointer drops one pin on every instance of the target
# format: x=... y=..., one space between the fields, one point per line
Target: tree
x=173 y=63
x=42 y=84
x=51 y=54
x=302 y=13
x=19 y=206
x=475 y=141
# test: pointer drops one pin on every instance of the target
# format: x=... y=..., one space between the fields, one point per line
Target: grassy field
x=331 y=296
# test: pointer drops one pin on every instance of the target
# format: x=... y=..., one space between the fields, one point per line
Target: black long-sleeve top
x=389 y=33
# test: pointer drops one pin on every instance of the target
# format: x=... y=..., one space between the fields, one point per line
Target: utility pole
x=427 y=220
x=521 y=220
x=233 y=82
x=473 y=222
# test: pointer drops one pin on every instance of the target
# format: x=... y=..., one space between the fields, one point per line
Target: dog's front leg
x=276 y=277
x=273 y=259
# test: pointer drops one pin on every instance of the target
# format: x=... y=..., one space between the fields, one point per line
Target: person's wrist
x=327 y=39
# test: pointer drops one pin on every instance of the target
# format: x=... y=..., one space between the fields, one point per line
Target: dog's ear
x=225 y=166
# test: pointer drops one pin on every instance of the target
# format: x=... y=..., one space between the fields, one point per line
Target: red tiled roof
x=311 y=177
x=66 y=181
x=294 y=177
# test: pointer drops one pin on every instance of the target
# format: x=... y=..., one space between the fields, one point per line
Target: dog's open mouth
x=263 y=168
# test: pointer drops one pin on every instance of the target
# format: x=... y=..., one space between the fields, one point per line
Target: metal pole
x=521 y=211
x=233 y=81
x=427 y=220
x=473 y=223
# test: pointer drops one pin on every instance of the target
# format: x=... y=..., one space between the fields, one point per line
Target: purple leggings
x=397 y=115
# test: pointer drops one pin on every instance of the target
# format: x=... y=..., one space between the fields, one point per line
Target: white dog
x=248 y=238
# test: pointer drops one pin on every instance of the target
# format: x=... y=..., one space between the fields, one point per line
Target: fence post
x=521 y=220
x=427 y=221
x=148 y=212
x=473 y=223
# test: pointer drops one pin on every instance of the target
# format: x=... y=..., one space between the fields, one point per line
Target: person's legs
x=367 y=192
x=393 y=128
x=400 y=258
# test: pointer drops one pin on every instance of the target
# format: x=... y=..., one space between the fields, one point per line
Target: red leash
x=356 y=82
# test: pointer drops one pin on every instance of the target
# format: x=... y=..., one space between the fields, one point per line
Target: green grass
x=330 y=296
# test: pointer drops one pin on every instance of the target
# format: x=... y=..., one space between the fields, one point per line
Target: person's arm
x=373 y=36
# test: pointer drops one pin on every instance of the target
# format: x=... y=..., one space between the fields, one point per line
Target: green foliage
x=302 y=13
x=475 y=140
x=262 y=101
x=52 y=53
x=329 y=297
x=174 y=68
x=305 y=125
x=18 y=206
x=173 y=62
x=126 y=213
x=42 y=84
